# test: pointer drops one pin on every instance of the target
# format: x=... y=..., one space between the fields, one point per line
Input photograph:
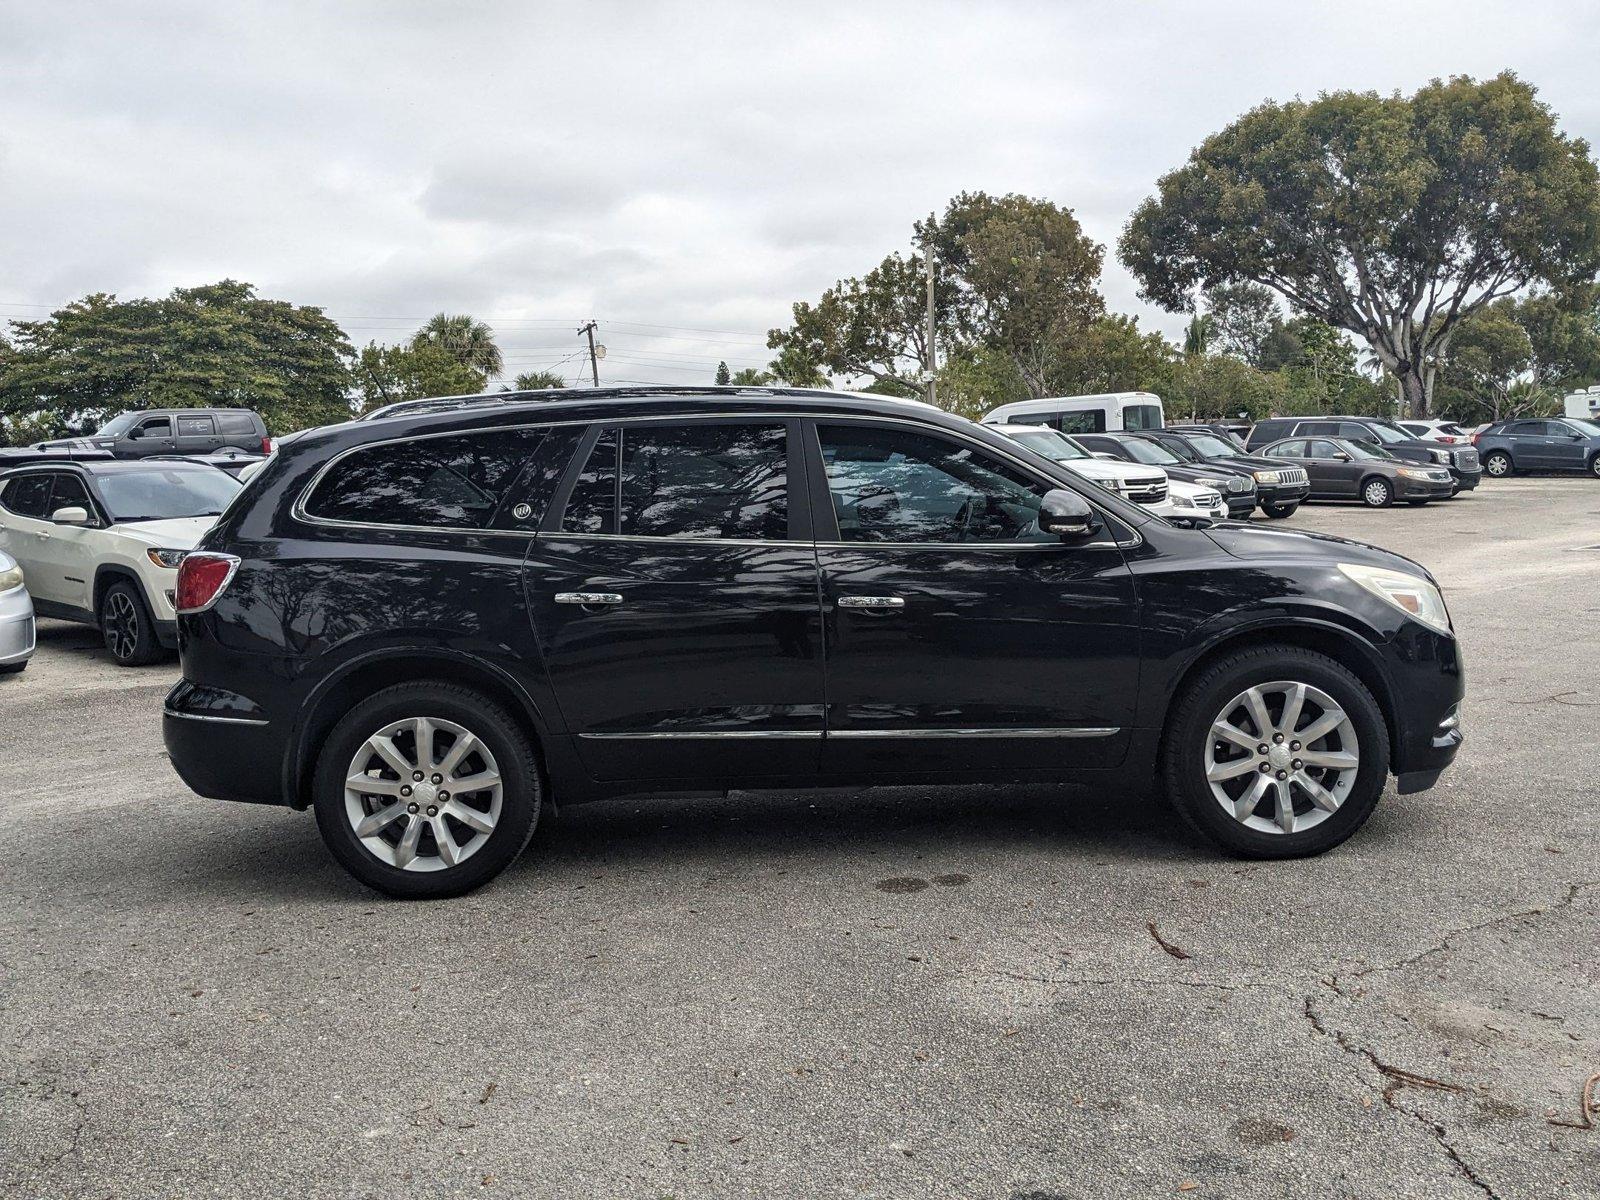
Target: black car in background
x=1542 y=444
x=1279 y=487
x=1231 y=431
x=165 y=431
x=1461 y=461
x=1238 y=490
x=427 y=627
x=1350 y=470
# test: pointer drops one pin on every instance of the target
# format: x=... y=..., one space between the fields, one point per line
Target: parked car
x=174 y=431
x=1462 y=461
x=1238 y=490
x=1529 y=444
x=1447 y=432
x=426 y=628
x=16 y=617
x=1083 y=414
x=234 y=461
x=101 y=543
x=1231 y=431
x=22 y=456
x=1279 y=488
x=1348 y=470
x=1149 y=486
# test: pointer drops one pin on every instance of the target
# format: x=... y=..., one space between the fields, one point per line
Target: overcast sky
x=681 y=173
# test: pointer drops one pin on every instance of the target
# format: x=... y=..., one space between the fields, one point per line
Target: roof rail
x=440 y=404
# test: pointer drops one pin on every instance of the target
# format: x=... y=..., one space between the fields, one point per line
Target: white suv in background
x=100 y=542
x=1150 y=486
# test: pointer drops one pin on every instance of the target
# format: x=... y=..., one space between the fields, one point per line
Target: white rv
x=1585 y=404
x=1109 y=411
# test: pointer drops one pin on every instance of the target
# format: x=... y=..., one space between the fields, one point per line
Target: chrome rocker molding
x=1071 y=732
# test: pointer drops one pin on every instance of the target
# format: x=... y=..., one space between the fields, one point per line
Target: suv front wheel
x=426 y=790
x=1497 y=464
x=127 y=627
x=1276 y=752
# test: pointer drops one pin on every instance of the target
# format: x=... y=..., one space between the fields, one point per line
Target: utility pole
x=594 y=363
x=927 y=254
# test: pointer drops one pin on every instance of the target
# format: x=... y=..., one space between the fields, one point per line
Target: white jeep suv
x=100 y=541
x=1150 y=486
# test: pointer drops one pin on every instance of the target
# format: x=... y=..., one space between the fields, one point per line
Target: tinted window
x=1152 y=455
x=705 y=481
x=445 y=482
x=231 y=423
x=164 y=493
x=1322 y=449
x=593 y=505
x=1078 y=422
x=159 y=427
x=1181 y=448
x=1326 y=428
x=1212 y=446
x=1050 y=444
x=195 y=427
x=892 y=485
x=69 y=492
x=29 y=496
x=1287 y=450
x=524 y=506
x=1141 y=416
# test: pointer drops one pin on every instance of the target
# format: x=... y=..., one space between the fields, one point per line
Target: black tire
x=1189 y=728
x=1377 y=492
x=14 y=668
x=126 y=626
x=1594 y=466
x=1418 y=503
x=1497 y=464
x=522 y=790
x=1278 y=511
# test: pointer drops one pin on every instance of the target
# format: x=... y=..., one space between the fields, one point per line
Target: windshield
x=1049 y=443
x=160 y=494
x=1587 y=428
x=1367 y=450
x=1212 y=447
x=1149 y=453
x=118 y=425
x=1389 y=434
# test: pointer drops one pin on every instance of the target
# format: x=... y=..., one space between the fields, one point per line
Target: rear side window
x=235 y=423
x=27 y=496
x=592 y=507
x=1287 y=450
x=436 y=483
x=1079 y=422
x=1325 y=428
x=705 y=481
x=195 y=427
x=1141 y=416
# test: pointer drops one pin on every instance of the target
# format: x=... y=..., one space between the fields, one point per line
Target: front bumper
x=1465 y=481
x=17 y=632
x=1423 y=489
x=1282 y=493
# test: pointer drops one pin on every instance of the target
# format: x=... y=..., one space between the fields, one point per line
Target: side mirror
x=71 y=515
x=1067 y=515
x=1340 y=456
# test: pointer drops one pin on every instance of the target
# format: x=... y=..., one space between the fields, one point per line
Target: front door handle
x=588 y=598
x=871 y=602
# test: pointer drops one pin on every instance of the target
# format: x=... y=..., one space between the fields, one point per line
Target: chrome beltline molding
x=1074 y=731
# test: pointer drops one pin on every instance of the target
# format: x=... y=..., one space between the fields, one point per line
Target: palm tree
x=1197 y=338
x=469 y=342
x=538 y=381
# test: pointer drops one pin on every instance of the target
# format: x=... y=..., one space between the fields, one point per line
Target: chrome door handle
x=871 y=602
x=587 y=598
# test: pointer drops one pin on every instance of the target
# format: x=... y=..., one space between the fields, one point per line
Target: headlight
x=1183 y=502
x=1441 y=456
x=1416 y=473
x=1109 y=484
x=166 y=558
x=1413 y=596
x=10 y=578
x=1266 y=476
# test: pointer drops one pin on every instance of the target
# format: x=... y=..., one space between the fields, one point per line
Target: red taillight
x=203 y=577
x=1475 y=438
x=266 y=444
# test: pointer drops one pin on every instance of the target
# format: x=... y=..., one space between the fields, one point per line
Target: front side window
x=895 y=486
x=443 y=482
x=1322 y=449
x=160 y=427
x=163 y=494
x=69 y=492
x=705 y=481
x=28 y=496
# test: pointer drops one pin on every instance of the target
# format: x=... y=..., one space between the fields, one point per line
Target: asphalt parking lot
x=899 y=993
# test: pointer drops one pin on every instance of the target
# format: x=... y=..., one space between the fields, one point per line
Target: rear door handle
x=588 y=598
x=871 y=602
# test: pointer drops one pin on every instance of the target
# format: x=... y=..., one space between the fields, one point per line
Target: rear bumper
x=16 y=627
x=221 y=746
x=167 y=633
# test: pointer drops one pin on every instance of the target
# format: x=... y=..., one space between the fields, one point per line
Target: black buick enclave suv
x=428 y=626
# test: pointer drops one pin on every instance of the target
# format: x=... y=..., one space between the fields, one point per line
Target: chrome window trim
x=297 y=510
x=183 y=716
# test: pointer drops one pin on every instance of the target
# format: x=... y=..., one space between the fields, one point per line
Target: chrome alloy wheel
x=1282 y=757
x=423 y=794
x=121 y=625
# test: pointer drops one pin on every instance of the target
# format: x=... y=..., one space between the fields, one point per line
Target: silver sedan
x=16 y=617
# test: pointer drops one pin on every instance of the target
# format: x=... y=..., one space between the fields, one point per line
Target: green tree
x=389 y=374
x=215 y=345
x=723 y=374
x=750 y=377
x=1218 y=385
x=1391 y=217
x=470 y=342
x=1110 y=354
x=538 y=381
x=1243 y=317
x=1197 y=337
x=974 y=379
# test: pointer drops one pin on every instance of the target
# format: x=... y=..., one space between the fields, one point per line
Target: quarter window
x=705 y=481
x=446 y=482
x=592 y=507
x=889 y=485
x=28 y=496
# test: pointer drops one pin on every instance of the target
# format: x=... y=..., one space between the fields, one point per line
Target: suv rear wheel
x=426 y=790
x=1497 y=463
x=1276 y=752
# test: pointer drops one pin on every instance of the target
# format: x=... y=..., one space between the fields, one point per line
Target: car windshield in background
x=118 y=425
x=1212 y=447
x=1149 y=453
x=163 y=494
x=1050 y=444
x=1368 y=450
x=1389 y=434
x=1587 y=428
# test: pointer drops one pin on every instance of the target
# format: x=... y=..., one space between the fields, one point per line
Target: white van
x=1109 y=411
